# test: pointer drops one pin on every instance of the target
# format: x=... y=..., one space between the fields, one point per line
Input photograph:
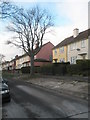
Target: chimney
x=75 y=32
x=16 y=56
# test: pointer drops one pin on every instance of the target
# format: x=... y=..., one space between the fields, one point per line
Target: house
x=9 y=65
x=12 y=64
x=44 y=56
x=5 y=65
x=59 y=53
x=72 y=48
x=21 y=61
x=79 y=46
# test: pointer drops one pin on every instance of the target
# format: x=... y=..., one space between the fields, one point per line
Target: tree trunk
x=32 y=65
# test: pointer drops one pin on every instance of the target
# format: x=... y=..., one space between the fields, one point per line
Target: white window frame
x=73 y=46
x=82 y=43
x=73 y=59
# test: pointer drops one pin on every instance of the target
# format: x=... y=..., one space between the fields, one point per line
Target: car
x=5 y=92
x=4 y=81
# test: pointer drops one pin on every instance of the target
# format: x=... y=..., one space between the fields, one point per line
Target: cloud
x=8 y=51
x=36 y=1
x=76 y=12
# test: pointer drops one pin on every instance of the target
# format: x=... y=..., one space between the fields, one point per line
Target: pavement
x=76 y=86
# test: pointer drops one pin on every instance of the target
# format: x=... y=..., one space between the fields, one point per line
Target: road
x=30 y=101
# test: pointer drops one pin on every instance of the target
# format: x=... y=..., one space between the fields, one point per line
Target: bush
x=81 y=67
x=54 y=69
x=84 y=64
x=74 y=69
x=47 y=69
x=25 y=69
x=60 y=68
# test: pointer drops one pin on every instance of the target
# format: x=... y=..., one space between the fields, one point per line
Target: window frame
x=82 y=43
x=61 y=49
x=73 y=46
x=55 y=52
x=73 y=59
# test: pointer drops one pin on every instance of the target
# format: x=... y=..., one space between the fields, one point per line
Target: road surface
x=30 y=101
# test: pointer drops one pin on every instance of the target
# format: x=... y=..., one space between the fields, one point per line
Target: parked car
x=5 y=92
x=4 y=81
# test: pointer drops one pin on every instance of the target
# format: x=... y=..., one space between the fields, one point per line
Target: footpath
x=76 y=86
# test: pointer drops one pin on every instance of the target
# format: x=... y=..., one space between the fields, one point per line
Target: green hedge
x=84 y=64
x=25 y=69
x=47 y=69
x=82 y=67
x=60 y=68
x=53 y=69
x=74 y=69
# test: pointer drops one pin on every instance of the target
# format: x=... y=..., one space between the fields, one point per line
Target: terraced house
x=60 y=53
x=43 y=57
x=72 y=48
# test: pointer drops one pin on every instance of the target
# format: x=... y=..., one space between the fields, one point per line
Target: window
x=83 y=43
x=61 y=49
x=55 y=51
x=50 y=57
x=73 y=46
x=73 y=59
x=62 y=60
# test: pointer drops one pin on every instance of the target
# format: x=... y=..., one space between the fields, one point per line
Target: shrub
x=54 y=69
x=47 y=69
x=60 y=68
x=81 y=68
x=25 y=69
x=84 y=64
x=73 y=69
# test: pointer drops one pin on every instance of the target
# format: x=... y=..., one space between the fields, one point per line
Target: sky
x=67 y=15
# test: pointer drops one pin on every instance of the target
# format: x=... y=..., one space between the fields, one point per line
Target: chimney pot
x=16 y=56
x=75 y=32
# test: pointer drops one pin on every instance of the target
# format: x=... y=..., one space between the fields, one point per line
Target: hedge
x=53 y=69
x=81 y=68
x=84 y=64
x=25 y=69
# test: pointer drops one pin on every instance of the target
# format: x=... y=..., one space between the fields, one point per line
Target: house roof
x=21 y=56
x=5 y=62
x=47 y=43
x=71 y=39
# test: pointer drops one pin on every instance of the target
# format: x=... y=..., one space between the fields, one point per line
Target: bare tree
x=29 y=27
x=7 y=9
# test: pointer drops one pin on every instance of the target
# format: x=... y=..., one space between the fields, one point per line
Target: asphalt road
x=30 y=101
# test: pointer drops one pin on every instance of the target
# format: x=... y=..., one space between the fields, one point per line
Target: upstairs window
x=61 y=49
x=73 y=46
x=55 y=51
x=83 y=43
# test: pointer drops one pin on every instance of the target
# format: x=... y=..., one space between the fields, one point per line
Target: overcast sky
x=68 y=14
